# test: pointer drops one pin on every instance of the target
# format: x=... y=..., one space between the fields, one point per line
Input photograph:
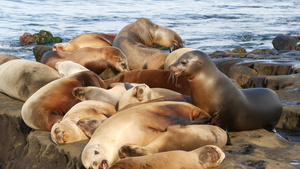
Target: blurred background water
x=207 y=25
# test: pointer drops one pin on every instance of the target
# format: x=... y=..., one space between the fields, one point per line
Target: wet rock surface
x=260 y=149
x=23 y=148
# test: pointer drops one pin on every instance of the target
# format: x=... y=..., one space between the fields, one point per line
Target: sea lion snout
x=173 y=47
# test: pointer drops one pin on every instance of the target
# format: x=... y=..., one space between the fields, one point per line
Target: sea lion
x=4 y=57
x=136 y=39
x=175 y=98
x=21 y=78
x=67 y=67
x=95 y=40
x=67 y=131
x=156 y=61
x=50 y=103
x=94 y=59
x=111 y=95
x=205 y=157
x=153 y=78
x=173 y=56
x=140 y=125
x=142 y=93
x=194 y=136
x=232 y=109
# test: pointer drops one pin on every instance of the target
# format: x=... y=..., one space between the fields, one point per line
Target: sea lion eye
x=141 y=91
x=96 y=152
x=92 y=122
x=183 y=62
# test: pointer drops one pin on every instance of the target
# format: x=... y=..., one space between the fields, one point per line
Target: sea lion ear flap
x=128 y=85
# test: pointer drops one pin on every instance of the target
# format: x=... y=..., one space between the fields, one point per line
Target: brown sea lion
x=205 y=157
x=153 y=78
x=136 y=39
x=21 y=78
x=68 y=131
x=140 y=125
x=232 y=109
x=50 y=103
x=94 y=59
x=95 y=40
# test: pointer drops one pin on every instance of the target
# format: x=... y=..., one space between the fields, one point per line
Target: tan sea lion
x=111 y=95
x=140 y=125
x=156 y=61
x=232 y=109
x=4 y=57
x=50 y=103
x=176 y=98
x=153 y=78
x=95 y=40
x=94 y=59
x=173 y=56
x=21 y=78
x=67 y=68
x=68 y=131
x=205 y=157
x=142 y=93
x=136 y=39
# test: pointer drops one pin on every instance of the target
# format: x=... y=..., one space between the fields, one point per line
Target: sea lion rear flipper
x=128 y=85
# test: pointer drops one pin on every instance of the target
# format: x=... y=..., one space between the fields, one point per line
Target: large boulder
x=285 y=42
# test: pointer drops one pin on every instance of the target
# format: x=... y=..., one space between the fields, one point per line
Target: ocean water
x=207 y=25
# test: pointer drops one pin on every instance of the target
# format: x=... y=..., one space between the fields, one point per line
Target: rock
x=289 y=119
x=241 y=74
x=23 y=148
x=40 y=152
x=109 y=73
x=285 y=42
x=239 y=50
x=227 y=53
x=261 y=51
x=38 y=51
x=260 y=149
x=224 y=64
x=26 y=39
x=12 y=131
x=43 y=37
x=273 y=82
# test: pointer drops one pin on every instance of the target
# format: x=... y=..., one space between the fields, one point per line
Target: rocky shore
x=278 y=70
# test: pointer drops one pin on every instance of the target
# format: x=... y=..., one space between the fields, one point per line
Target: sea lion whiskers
x=174 y=78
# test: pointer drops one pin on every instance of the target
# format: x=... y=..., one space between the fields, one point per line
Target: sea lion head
x=93 y=157
x=63 y=47
x=137 y=94
x=190 y=64
x=116 y=58
x=66 y=131
x=167 y=38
